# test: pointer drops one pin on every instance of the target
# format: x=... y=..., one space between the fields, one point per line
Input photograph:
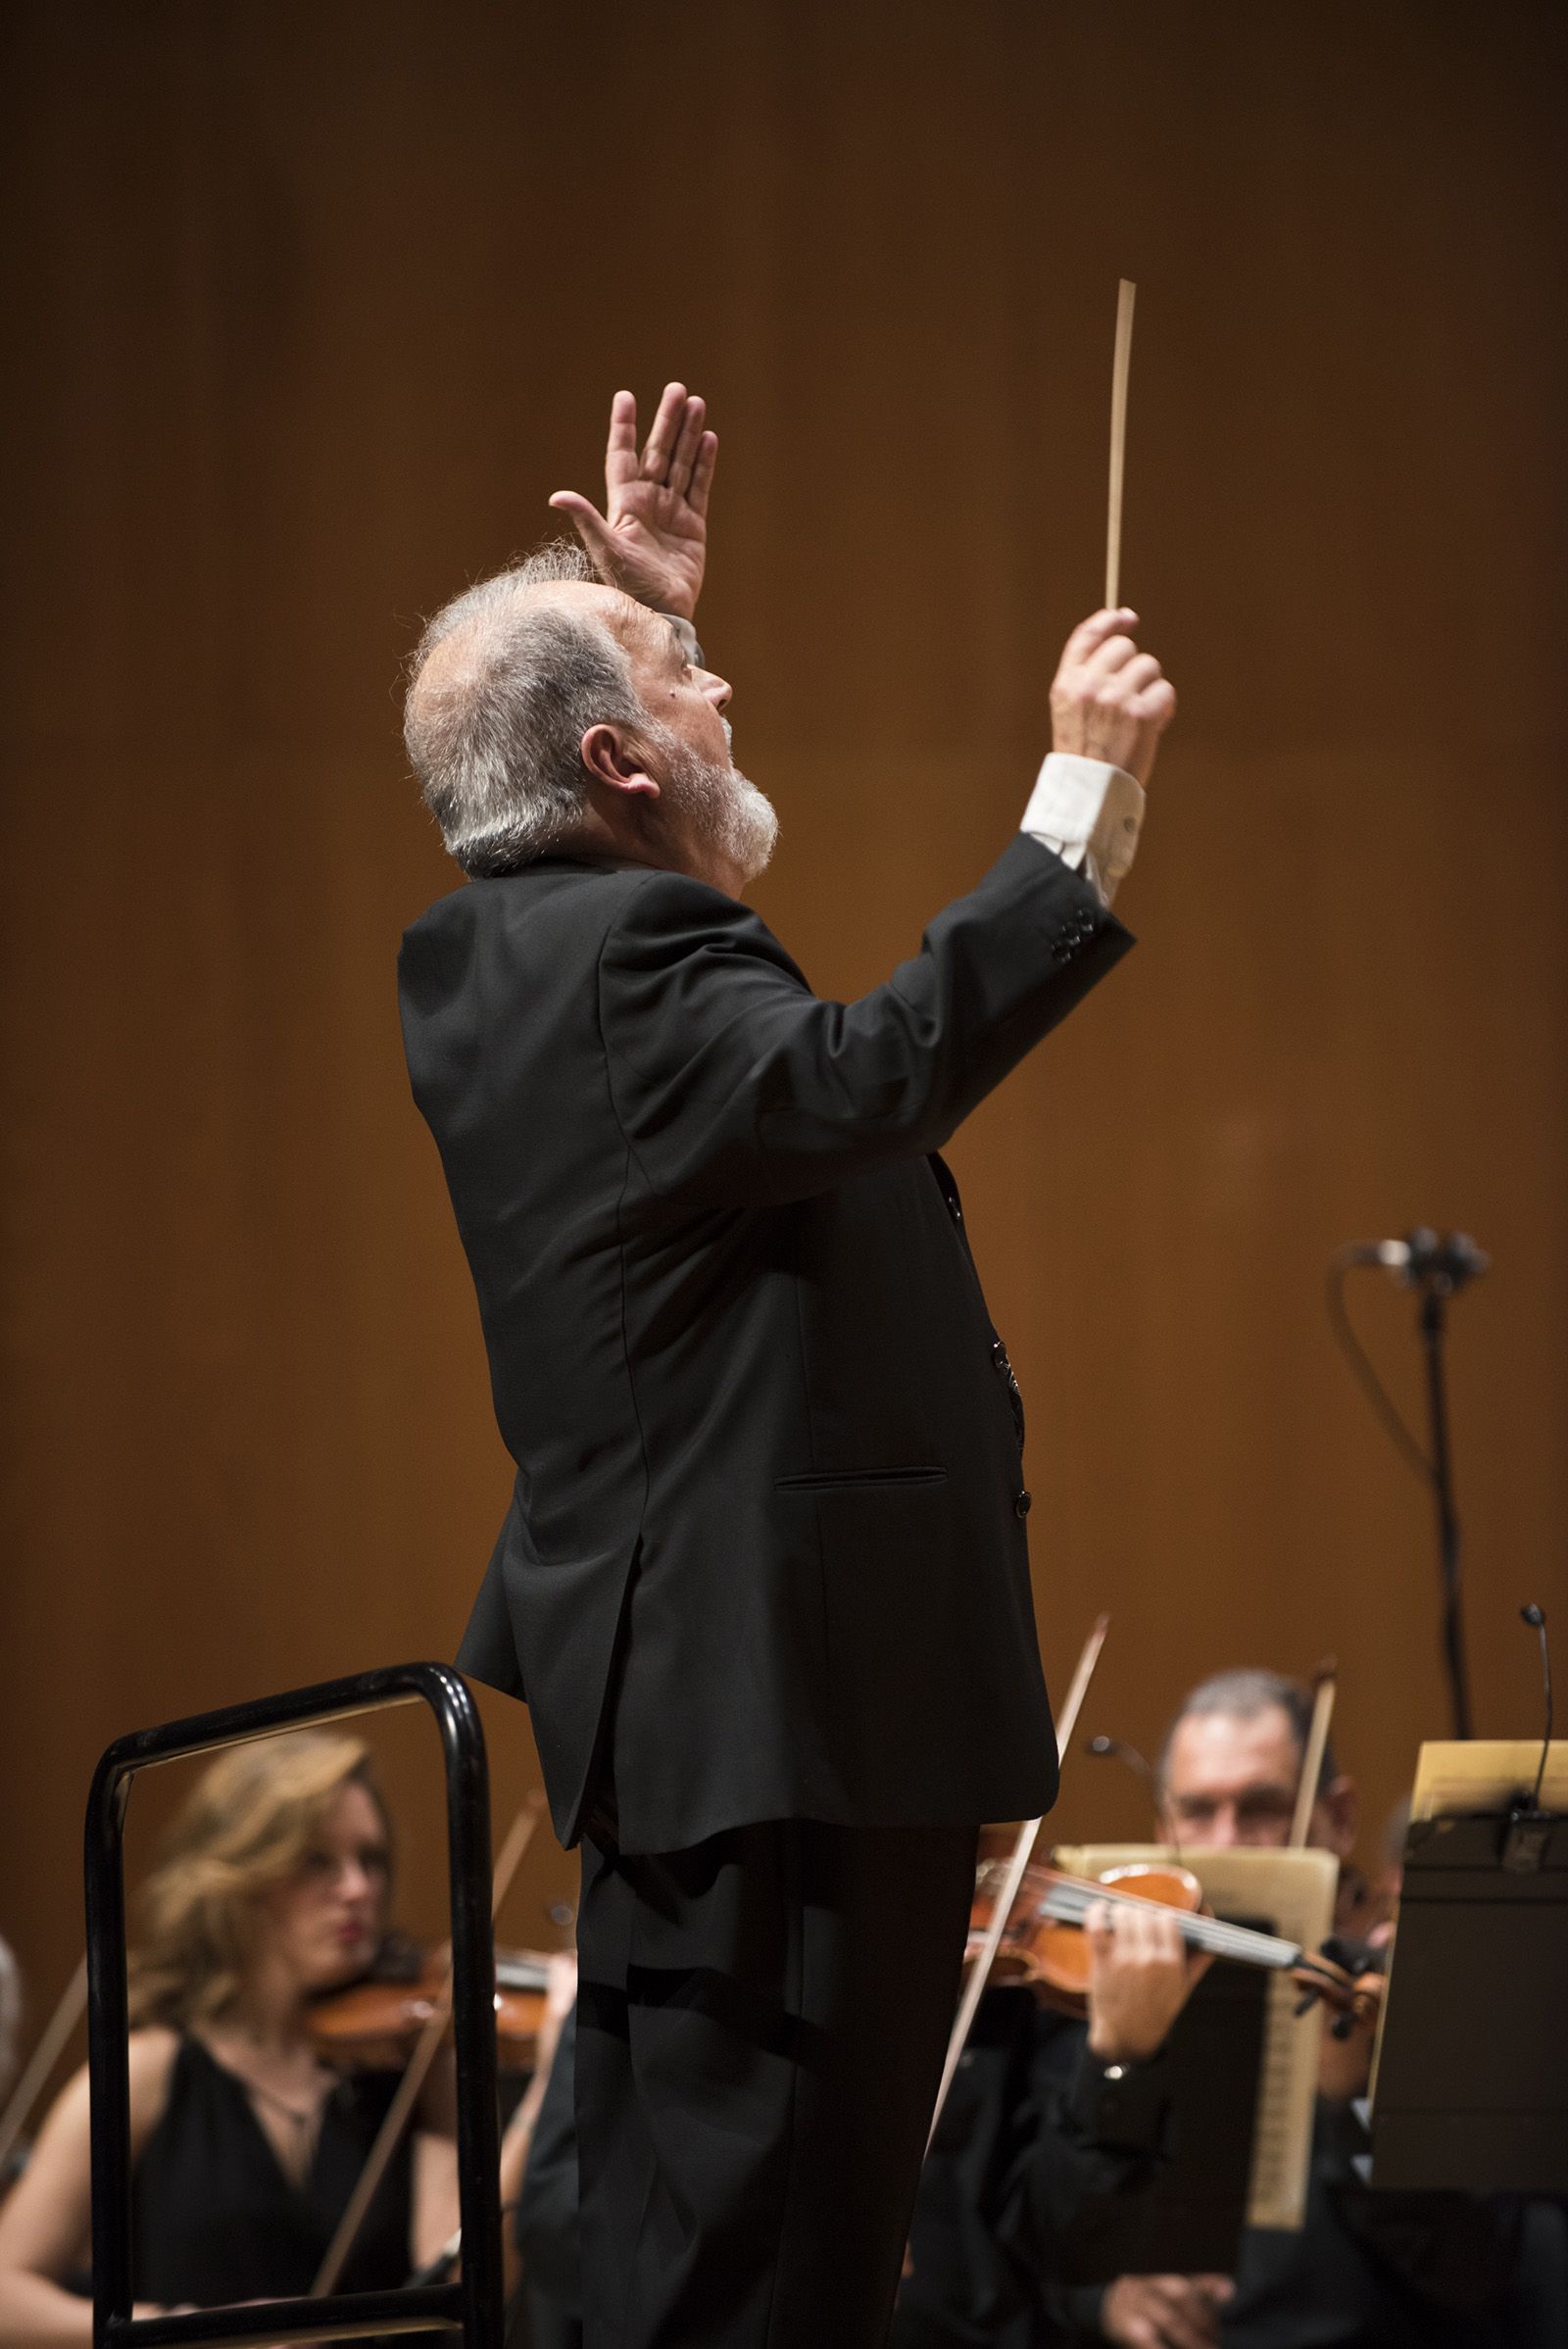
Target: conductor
x=763 y=1581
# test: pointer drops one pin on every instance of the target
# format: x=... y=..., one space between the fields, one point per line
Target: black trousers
x=761 y=2026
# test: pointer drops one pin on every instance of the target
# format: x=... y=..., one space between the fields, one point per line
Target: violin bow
x=519 y=1837
x=1317 y=1739
x=1022 y=1853
x=524 y=2120
x=43 y=2061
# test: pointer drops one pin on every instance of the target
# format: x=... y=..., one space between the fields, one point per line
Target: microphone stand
x=1437 y=1287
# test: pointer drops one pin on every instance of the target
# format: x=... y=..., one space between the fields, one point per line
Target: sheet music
x=1293 y=1891
x=1485 y=1774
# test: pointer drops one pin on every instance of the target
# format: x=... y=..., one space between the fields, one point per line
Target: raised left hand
x=652 y=538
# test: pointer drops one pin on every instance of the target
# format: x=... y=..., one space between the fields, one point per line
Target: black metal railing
x=472 y=2304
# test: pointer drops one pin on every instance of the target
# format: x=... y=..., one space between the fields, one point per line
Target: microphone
x=1117 y=1749
x=1536 y=1617
x=1447 y=1258
x=1524 y=1846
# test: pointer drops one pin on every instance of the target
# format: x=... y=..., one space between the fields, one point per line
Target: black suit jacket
x=765 y=1556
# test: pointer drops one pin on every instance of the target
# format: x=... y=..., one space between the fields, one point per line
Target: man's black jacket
x=767 y=1448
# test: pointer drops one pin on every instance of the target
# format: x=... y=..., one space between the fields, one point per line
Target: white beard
x=726 y=806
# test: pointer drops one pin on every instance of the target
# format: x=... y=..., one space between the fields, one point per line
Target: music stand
x=1195 y=2210
x=1267 y=2105
x=1470 y=2087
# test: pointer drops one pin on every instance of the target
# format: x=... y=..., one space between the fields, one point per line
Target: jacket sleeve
x=489 y=1649
x=1094 y=2144
x=734 y=1084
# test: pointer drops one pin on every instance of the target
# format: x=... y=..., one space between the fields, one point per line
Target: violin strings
x=1072 y=1902
x=1209 y=1932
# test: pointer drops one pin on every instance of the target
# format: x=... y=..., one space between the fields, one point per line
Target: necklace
x=302 y=2119
x=296 y=2152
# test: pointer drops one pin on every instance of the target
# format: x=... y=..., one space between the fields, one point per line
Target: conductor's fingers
x=666 y=426
x=702 y=472
x=1135 y=674
x=686 y=447
x=622 y=444
x=1157 y=704
x=583 y=515
x=1111 y=656
x=1092 y=632
x=586 y=519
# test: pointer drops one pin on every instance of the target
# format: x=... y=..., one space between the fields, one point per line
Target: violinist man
x=1232 y=1761
x=1366 y=2271
x=1052 y=2135
x=764 y=1578
x=1033 y=2186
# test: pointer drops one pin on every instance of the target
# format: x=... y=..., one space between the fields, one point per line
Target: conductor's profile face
x=661 y=788
x=687 y=700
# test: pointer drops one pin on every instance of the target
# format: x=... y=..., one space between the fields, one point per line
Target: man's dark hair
x=1245 y=1693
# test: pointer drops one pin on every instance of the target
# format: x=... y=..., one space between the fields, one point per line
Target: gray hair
x=495 y=742
x=1242 y=1695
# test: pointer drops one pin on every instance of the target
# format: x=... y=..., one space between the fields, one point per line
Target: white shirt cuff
x=1090 y=813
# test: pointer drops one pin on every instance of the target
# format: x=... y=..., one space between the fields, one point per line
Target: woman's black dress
x=216 y=2218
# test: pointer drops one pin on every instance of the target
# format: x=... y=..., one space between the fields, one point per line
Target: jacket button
x=1022 y=1505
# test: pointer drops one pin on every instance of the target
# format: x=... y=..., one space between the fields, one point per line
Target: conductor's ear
x=612 y=758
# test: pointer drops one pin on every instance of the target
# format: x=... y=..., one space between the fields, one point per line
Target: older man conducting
x=764 y=1580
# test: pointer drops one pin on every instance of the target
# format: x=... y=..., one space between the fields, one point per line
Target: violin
x=373 y=2023
x=1043 y=1945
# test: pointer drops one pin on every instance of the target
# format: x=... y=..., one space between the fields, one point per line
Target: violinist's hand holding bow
x=1139 y=1977
x=652 y=539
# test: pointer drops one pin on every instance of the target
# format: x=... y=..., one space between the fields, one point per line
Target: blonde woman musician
x=273 y=1887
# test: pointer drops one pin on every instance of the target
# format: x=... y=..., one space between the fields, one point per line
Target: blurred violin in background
x=374 y=2023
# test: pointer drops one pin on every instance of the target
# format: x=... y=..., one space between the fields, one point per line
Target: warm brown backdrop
x=310 y=307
